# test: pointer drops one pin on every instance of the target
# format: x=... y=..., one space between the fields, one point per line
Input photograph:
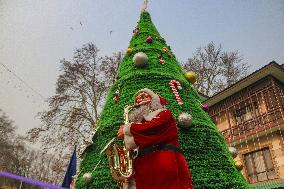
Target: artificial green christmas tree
x=150 y=63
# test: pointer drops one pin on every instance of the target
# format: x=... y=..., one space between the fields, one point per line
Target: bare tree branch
x=215 y=68
x=74 y=109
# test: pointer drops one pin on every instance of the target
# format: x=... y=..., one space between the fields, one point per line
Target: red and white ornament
x=165 y=49
x=161 y=60
x=174 y=85
x=116 y=96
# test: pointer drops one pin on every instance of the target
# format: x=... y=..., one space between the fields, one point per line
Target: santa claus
x=153 y=131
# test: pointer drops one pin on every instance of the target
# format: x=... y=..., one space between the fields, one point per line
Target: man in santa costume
x=153 y=131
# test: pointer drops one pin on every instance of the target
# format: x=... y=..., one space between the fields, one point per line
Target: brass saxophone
x=119 y=158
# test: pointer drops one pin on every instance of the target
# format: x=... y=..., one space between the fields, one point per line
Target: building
x=250 y=115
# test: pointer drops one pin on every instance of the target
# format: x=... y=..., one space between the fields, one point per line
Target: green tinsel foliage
x=205 y=149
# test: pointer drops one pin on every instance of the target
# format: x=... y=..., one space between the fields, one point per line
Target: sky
x=36 y=34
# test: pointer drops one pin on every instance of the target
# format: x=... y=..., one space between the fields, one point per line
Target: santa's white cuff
x=126 y=129
x=129 y=142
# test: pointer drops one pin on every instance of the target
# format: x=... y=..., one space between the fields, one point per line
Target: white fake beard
x=138 y=113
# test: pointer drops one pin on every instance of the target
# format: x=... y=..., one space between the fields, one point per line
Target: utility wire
x=19 y=78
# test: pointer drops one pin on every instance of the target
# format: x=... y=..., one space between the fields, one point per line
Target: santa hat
x=162 y=101
x=157 y=102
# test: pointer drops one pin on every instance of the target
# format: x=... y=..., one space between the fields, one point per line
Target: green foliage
x=205 y=149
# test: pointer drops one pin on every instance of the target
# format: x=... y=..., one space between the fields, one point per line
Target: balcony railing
x=252 y=126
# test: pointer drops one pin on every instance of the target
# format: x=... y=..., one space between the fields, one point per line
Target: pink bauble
x=149 y=39
x=205 y=107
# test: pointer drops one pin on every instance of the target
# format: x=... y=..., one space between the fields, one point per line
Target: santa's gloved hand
x=120 y=133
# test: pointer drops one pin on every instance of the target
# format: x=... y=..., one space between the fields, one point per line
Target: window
x=222 y=121
x=222 y=118
x=243 y=114
x=256 y=108
x=259 y=166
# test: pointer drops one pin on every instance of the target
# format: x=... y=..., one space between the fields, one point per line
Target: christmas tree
x=150 y=63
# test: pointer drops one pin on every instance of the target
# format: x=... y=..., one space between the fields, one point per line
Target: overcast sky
x=36 y=34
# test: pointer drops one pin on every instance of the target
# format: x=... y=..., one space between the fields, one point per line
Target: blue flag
x=71 y=171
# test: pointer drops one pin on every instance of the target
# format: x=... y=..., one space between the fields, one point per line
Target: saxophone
x=119 y=158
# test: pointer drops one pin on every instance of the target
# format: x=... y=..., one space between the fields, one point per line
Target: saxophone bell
x=120 y=161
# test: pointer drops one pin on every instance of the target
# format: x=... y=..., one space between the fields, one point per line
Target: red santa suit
x=161 y=165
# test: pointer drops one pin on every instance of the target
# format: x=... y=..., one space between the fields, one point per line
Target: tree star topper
x=145 y=5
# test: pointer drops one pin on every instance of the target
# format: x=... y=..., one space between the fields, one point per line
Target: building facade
x=250 y=115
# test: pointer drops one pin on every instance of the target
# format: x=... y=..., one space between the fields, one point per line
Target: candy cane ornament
x=173 y=84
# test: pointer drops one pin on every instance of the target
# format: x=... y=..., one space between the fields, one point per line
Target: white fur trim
x=126 y=129
x=153 y=114
x=129 y=142
x=128 y=138
x=155 y=102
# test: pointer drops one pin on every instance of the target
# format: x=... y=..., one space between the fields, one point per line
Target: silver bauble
x=233 y=151
x=140 y=59
x=88 y=178
x=184 y=120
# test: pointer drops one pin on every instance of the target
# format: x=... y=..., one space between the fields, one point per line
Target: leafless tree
x=80 y=93
x=7 y=128
x=8 y=160
x=17 y=158
x=216 y=69
x=43 y=167
x=109 y=67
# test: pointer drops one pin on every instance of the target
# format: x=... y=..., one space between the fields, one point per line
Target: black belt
x=159 y=147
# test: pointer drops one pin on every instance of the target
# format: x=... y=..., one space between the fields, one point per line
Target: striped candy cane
x=173 y=84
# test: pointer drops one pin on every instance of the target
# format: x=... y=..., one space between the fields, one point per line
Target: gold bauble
x=239 y=165
x=190 y=76
x=129 y=50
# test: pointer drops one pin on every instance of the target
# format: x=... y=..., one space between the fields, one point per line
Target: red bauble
x=149 y=39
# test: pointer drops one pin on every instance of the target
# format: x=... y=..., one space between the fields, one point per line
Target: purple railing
x=28 y=180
